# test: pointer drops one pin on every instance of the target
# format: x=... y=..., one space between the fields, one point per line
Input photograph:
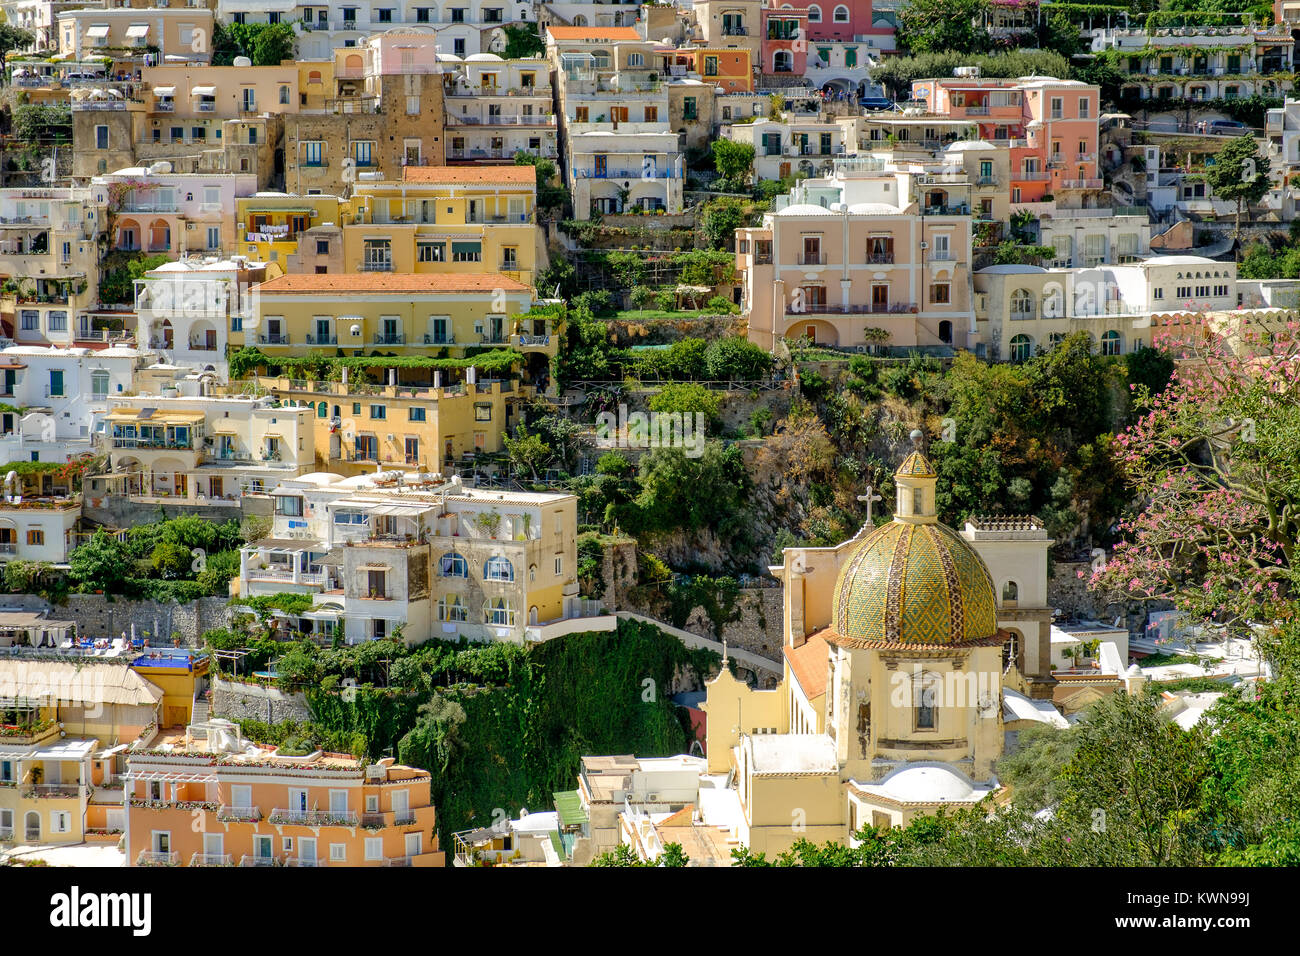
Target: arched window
x=451 y=608
x=99 y=383
x=945 y=332
x=1010 y=591
x=453 y=565
x=323 y=410
x=783 y=62
x=1055 y=339
x=1022 y=347
x=1022 y=305
x=1011 y=650
x=1053 y=303
x=498 y=611
x=498 y=569
x=1111 y=343
x=600 y=59
x=841 y=14
x=814 y=14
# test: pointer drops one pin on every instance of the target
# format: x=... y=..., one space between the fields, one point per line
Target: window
x=375 y=845
x=311 y=153
x=57 y=321
x=926 y=698
x=60 y=821
x=31 y=320
x=689 y=111
x=416 y=413
x=56 y=383
x=284 y=96
x=385 y=15
x=710 y=66
x=36 y=536
x=652 y=114
x=290 y=505
x=1010 y=591
x=1083 y=109
x=430 y=252
x=1111 y=343
x=939 y=293
x=499 y=612
x=214 y=237
x=841 y=14
x=467 y=252
x=322 y=247
x=498 y=568
x=635 y=60
x=1022 y=347
x=559 y=564
x=451 y=609
x=250 y=99
x=814 y=14
x=482 y=411
x=338 y=852
x=362 y=152
x=453 y=565
x=99 y=383
x=101 y=137
x=1058 y=107
x=379 y=412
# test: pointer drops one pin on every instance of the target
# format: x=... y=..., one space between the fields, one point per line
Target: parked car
x=1227 y=128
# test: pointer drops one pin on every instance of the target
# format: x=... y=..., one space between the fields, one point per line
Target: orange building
x=725 y=67
x=225 y=801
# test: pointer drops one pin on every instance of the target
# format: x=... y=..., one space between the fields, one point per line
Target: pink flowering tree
x=1214 y=463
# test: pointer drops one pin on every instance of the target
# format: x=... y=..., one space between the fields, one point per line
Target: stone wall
x=100 y=615
x=759 y=629
x=1070 y=594
x=237 y=701
x=119 y=511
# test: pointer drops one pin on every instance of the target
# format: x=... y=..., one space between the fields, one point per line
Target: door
x=601 y=166
x=307 y=849
x=880 y=298
x=242 y=795
x=298 y=800
x=401 y=806
x=32 y=829
x=213 y=846
x=262 y=847
x=338 y=801
x=216 y=488
x=162 y=841
x=323 y=332
x=413 y=842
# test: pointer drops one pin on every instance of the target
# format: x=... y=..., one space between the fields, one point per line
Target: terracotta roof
x=523 y=175
x=392 y=283
x=808 y=662
x=684 y=817
x=593 y=33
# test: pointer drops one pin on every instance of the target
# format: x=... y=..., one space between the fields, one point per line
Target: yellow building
x=353 y=314
x=423 y=427
x=447 y=219
x=270 y=226
x=891 y=704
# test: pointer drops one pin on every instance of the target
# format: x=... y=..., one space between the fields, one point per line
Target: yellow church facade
x=896 y=656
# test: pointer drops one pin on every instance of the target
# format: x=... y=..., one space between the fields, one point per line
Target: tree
x=733 y=160
x=1239 y=173
x=735 y=358
x=170 y=560
x=1062 y=35
x=551 y=194
x=14 y=38
x=1215 y=479
x=943 y=26
x=100 y=564
x=522 y=42
x=273 y=44
x=266 y=44
x=527 y=451
x=686 y=398
x=720 y=219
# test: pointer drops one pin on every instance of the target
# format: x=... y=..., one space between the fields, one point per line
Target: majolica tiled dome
x=914 y=580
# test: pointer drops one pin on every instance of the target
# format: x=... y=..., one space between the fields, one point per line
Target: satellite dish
x=242 y=61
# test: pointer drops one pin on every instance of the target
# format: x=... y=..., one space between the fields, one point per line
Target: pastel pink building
x=1050 y=127
x=785 y=42
x=836 y=19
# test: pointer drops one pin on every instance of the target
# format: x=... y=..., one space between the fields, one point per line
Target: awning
x=137 y=31
x=164 y=91
x=203 y=91
x=225 y=428
x=97 y=32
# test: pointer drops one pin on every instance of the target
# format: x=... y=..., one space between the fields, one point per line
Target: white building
x=792 y=145
x=495 y=108
x=55 y=399
x=186 y=310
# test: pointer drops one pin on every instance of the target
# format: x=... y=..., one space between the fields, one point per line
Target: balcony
x=879 y=308
x=247 y=860
x=51 y=791
x=446 y=339
x=8 y=547
x=239 y=814
x=986 y=181
x=202 y=347
x=975 y=111
x=958 y=210
x=304 y=861
x=273 y=338
x=322 y=339
x=652 y=173
x=880 y=259
x=1030 y=176
x=1082 y=184
x=377 y=265
x=212 y=859
x=157 y=858
x=389 y=338
x=313 y=818
x=812 y=260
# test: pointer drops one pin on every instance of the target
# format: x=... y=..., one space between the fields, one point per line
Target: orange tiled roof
x=593 y=33
x=393 y=283
x=808 y=662
x=523 y=175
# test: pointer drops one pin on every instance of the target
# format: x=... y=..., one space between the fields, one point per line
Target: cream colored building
x=1021 y=309
x=896 y=662
x=436 y=558
x=874 y=246
x=497 y=107
x=123 y=33
x=198 y=449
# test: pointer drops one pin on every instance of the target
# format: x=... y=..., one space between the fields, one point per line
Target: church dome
x=914 y=580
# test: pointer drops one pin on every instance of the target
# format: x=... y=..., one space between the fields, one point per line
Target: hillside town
x=702 y=433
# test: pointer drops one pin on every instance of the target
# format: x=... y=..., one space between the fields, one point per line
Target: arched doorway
x=32 y=827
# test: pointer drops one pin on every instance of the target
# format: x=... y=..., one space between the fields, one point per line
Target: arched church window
x=927 y=699
x=1010 y=591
